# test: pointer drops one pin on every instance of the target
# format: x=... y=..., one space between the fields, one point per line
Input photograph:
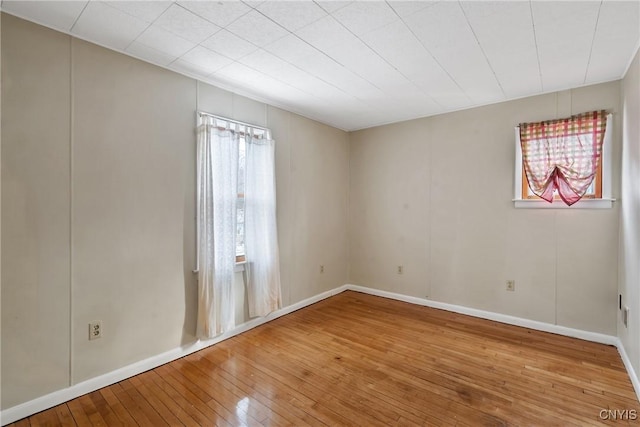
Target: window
x=242 y=150
x=594 y=191
x=569 y=161
x=241 y=131
x=235 y=221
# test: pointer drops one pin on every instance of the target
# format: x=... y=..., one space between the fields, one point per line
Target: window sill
x=239 y=266
x=559 y=204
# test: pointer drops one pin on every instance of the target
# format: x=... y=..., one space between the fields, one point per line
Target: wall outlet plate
x=95 y=330
x=511 y=285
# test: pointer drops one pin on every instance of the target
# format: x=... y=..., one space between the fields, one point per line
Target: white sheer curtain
x=261 y=235
x=217 y=184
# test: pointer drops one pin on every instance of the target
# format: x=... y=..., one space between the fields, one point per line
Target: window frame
x=601 y=199
x=241 y=258
x=242 y=128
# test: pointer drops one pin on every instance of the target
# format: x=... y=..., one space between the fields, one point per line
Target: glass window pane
x=240 y=228
x=241 y=165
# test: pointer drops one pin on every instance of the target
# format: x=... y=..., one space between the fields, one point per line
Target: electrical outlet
x=95 y=330
x=400 y=269
x=511 y=285
x=322 y=269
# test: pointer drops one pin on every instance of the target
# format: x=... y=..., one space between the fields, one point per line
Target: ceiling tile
x=147 y=10
x=361 y=60
x=253 y=4
x=241 y=73
x=221 y=13
x=505 y=33
x=318 y=88
x=517 y=70
x=292 y=15
x=564 y=21
x=332 y=5
x=290 y=48
x=265 y=62
x=441 y=27
x=150 y=54
x=186 y=24
x=397 y=44
x=363 y=16
x=325 y=33
x=330 y=71
x=56 y=14
x=562 y=69
x=257 y=29
x=228 y=44
x=252 y=81
x=105 y=25
x=407 y=8
x=164 y=41
x=275 y=67
x=445 y=33
x=525 y=83
x=616 y=38
x=500 y=25
x=206 y=59
x=451 y=101
x=188 y=68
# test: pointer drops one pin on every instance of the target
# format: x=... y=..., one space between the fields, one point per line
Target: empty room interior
x=271 y=213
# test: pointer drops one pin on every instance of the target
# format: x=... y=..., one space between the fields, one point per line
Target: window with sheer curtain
x=563 y=159
x=236 y=221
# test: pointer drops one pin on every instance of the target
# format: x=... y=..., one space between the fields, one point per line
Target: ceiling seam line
x=593 y=39
x=484 y=54
x=429 y=53
x=383 y=58
x=75 y=21
x=535 y=40
x=315 y=48
x=435 y=59
x=141 y=19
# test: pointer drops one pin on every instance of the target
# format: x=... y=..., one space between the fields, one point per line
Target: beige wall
x=36 y=310
x=629 y=273
x=98 y=182
x=0 y=213
x=132 y=219
x=434 y=195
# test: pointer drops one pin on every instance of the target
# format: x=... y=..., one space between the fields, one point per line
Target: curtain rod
x=202 y=113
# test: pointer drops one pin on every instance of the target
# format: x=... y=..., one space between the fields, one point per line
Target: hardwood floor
x=356 y=359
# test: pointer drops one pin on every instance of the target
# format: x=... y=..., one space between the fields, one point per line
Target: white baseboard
x=31 y=407
x=50 y=400
x=630 y=370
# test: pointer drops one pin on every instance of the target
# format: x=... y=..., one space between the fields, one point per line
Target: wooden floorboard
x=357 y=359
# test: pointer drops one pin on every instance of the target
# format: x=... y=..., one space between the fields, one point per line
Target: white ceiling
x=364 y=63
